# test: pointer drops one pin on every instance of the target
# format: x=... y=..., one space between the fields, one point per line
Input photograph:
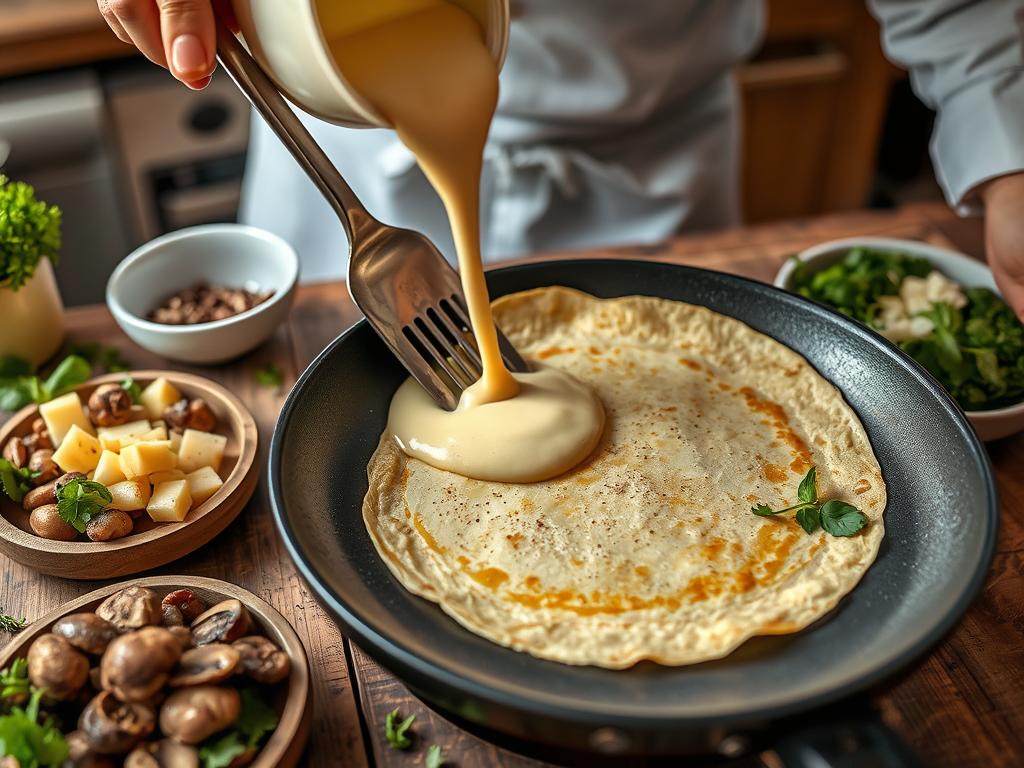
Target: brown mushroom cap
x=226 y=621
x=192 y=714
x=136 y=665
x=183 y=635
x=86 y=631
x=261 y=660
x=131 y=608
x=110 y=405
x=46 y=521
x=187 y=602
x=191 y=414
x=112 y=727
x=57 y=667
x=15 y=452
x=41 y=463
x=80 y=754
x=37 y=497
x=208 y=664
x=110 y=524
x=166 y=753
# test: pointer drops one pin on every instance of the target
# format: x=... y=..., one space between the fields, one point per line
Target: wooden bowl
x=294 y=698
x=150 y=544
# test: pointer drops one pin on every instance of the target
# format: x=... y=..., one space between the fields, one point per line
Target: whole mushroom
x=110 y=405
x=46 y=521
x=39 y=437
x=136 y=665
x=15 y=452
x=209 y=664
x=43 y=467
x=110 y=524
x=261 y=660
x=228 y=620
x=57 y=667
x=190 y=414
x=112 y=727
x=182 y=606
x=166 y=753
x=192 y=714
x=81 y=755
x=131 y=608
x=86 y=632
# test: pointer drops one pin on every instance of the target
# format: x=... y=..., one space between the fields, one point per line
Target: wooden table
x=963 y=706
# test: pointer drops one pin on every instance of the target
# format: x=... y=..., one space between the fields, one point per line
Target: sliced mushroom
x=172 y=616
x=81 y=755
x=189 y=605
x=43 y=467
x=109 y=525
x=165 y=753
x=261 y=660
x=192 y=714
x=16 y=453
x=223 y=623
x=112 y=727
x=131 y=608
x=57 y=667
x=46 y=521
x=136 y=665
x=110 y=405
x=191 y=414
x=86 y=631
x=209 y=664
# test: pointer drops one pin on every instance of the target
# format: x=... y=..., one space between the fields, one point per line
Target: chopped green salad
x=968 y=338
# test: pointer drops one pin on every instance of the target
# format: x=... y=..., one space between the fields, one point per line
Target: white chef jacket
x=618 y=123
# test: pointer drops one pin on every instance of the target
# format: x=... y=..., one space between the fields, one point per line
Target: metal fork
x=410 y=294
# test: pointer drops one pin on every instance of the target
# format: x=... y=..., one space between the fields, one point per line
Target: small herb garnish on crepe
x=836 y=517
x=396 y=734
x=79 y=501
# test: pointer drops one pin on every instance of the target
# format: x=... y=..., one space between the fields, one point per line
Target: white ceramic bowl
x=232 y=255
x=990 y=425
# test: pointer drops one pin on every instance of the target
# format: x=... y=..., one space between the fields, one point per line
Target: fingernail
x=188 y=56
x=198 y=85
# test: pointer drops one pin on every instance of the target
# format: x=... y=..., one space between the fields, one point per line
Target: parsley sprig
x=79 y=501
x=836 y=517
x=397 y=735
x=15 y=481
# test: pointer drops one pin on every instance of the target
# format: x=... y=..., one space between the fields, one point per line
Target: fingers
x=1004 y=236
x=139 y=20
x=1011 y=286
x=189 y=39
x=113 y=22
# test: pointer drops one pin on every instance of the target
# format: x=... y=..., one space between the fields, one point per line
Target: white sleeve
x=966 y=61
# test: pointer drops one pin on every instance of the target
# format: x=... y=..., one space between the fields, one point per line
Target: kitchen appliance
x=770 y=692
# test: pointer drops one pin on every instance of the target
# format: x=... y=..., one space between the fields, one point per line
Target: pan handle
x=860 y=743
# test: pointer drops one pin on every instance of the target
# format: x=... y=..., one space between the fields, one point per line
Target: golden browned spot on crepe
x=773 y=473
x=544 y=354
x=648 y=550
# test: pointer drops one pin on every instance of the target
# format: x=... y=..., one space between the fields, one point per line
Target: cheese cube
x=78 y=452
x=108 y=470
x=162 y=477
x=201 y=449
x=157 y=433
x=175 y=438
x=158 y=396
x=62 y=413
x=170 y=502
x=160 y=423
x=114 y=438
x=202 y=484
x=129 y=495
x=145 y=458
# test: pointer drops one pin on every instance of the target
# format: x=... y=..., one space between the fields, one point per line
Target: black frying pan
x=941 y=525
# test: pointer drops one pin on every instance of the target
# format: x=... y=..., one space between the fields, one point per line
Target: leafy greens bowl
x=965 y=335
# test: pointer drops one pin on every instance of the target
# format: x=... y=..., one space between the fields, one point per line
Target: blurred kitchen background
x=128 y=153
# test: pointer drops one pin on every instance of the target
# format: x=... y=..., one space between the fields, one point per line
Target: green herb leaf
x=269 y=376
x=220 y=751
x=808 y=491
x=762 y=510
x=71 y=372
x=396 y=734
x=29 y=231
x=132 y=388
x=81 y=500
x=841 y=519
x=14 y=682
x=33 y=744
x=106 y=359
x=433 y=758
x=255 y=720
x=14 y=481
x=12 y=366
x=11 y=624
x=809 y=519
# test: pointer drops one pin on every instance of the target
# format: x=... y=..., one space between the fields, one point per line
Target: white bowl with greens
x=940 y=307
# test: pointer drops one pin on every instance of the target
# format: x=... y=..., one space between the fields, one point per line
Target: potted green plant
x=31 y=312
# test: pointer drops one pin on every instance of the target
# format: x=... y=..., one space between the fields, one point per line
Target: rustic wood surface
x=963 y=706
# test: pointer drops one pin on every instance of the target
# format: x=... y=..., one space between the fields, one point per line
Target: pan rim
x=407 y=664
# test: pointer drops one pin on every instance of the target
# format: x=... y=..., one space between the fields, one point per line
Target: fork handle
x=264 y=95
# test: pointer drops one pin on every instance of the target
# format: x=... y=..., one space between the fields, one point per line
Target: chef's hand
x=1004 y=236
x=176 y=34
